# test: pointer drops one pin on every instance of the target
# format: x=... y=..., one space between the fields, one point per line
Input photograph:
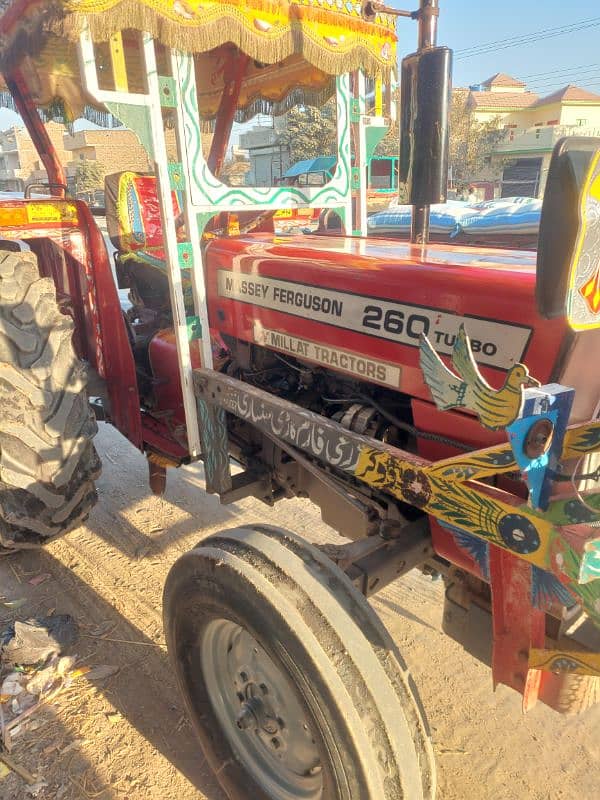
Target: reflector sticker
x=51 y=212
x=496 y=344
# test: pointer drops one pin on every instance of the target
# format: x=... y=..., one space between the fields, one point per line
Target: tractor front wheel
x=47 y=460
x=295 y=688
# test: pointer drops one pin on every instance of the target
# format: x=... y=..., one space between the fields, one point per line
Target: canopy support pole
x=234 y=76
x=39 y=135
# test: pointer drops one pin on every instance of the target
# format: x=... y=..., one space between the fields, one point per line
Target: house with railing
x=531 y=125
x=525 y=150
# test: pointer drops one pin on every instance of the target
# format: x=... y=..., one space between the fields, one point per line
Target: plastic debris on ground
x=13 y=605
x=36 y=640
x=34 y=789
x=33 y=671
x=25 y=690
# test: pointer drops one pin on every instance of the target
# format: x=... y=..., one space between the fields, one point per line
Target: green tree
x=390 y=144
x=234 y=170
x=311 y=132
x=89 y=176
x=471 y=142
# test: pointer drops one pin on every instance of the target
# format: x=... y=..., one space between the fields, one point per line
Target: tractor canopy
x=296 y=48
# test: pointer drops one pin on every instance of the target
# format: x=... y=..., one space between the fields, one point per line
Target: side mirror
x=425 y=98
x=568 y=262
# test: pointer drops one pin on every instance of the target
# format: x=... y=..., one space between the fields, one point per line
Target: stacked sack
x=445 y=219
x=511 y=215
x=494 y=221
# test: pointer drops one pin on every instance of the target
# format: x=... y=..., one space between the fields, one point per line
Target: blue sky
x=552 y=63
x=466 y=23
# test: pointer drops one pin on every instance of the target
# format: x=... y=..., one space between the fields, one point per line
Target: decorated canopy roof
x=296 y=46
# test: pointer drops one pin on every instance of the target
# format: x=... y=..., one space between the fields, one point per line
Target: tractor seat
x=135 y=229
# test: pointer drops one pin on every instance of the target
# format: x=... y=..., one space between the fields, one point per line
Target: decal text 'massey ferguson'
x=497 y=344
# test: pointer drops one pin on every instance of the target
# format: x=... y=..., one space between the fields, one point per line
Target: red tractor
x=314 y=363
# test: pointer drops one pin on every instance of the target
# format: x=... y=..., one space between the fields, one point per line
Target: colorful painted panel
x=583 y=302
x=333 y=36
x=577 y=662
x=133 y=212
x=480 y=511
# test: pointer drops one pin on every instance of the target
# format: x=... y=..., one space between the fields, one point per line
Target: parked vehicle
x=314 y=363
x=95 y=201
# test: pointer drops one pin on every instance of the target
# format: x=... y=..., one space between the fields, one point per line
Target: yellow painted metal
x=12 y=216
x=117 y=58
x=473 y=507
x=378 y=97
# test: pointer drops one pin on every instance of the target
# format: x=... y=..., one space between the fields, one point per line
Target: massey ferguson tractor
x=438 y=403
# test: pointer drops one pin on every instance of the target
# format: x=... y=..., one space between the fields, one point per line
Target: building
x=526 y=148
x=501 y=98
x=532 y=125
x=269 y=157
x=114 y=149
x=20 y=163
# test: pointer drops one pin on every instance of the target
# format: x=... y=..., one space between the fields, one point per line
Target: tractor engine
x=358 y=406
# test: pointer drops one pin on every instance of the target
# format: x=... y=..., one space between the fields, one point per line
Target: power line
x=505 y=44
x=527 y=36
x=589 y=87
x=532 y=40
x=578 y=75
x=561 y=70
x=540 y=87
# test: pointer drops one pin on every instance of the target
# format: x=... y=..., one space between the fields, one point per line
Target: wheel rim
x=255 y=703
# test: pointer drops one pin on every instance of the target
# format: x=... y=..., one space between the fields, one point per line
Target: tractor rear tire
x=48 y=462
x=294 y=687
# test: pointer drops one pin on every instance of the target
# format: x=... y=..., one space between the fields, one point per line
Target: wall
x=22 y=164
x=507 y=89
x=565 y=113
x=572 y=112
x=487 y=116
x=114 y=150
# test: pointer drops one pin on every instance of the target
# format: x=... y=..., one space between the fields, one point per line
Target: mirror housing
x=568 y=261
x=425 y=97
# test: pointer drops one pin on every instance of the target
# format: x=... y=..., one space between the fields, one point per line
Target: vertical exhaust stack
x=425 y=98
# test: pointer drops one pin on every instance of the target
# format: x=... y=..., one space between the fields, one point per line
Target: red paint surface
x=26 y=107
x=517 y=625
x=493 y=284
x=162 y=353
x=111 y=338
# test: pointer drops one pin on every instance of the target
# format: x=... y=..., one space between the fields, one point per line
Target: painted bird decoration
x=496 y=408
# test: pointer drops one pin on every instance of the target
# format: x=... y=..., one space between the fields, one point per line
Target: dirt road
x=129 y=738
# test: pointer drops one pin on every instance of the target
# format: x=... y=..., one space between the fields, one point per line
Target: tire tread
x=47 y=459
